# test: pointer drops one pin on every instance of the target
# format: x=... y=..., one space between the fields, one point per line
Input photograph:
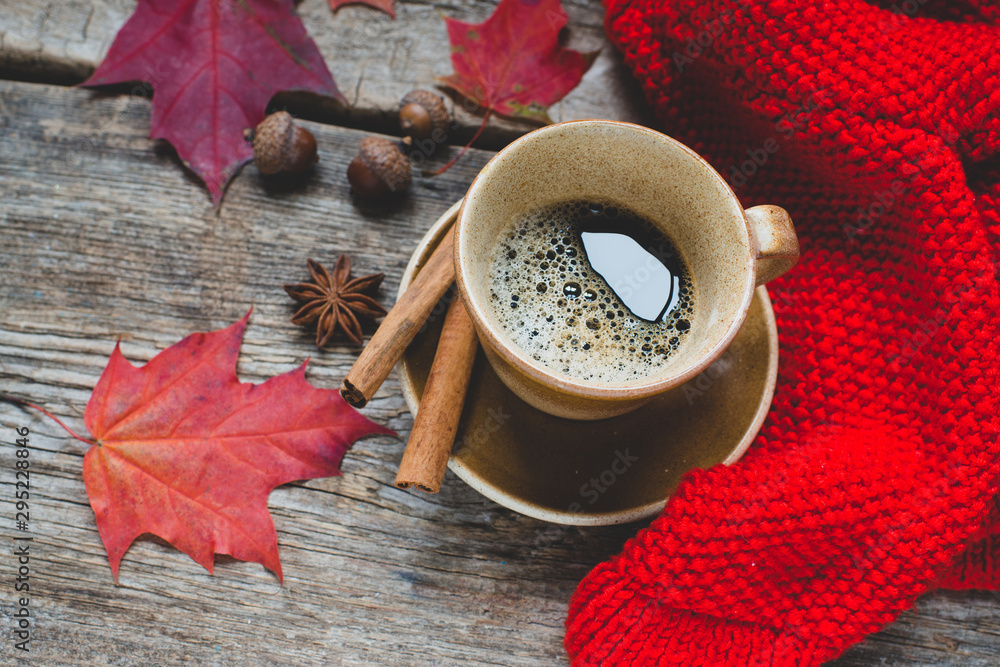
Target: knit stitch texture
x=874 y=479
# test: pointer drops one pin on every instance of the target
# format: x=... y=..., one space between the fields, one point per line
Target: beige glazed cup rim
x=513 y=355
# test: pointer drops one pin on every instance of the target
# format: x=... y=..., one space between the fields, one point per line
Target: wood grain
x=374 y=59
x=104 y=236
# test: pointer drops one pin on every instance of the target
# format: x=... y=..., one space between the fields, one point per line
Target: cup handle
x=777 y=246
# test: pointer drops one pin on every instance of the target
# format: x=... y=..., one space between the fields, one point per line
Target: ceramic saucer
x=604 y=472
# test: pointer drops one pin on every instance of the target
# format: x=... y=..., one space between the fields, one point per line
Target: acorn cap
x=422 y=113
x=379 y=168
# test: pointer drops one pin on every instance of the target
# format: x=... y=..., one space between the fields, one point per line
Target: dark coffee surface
x=591 y=290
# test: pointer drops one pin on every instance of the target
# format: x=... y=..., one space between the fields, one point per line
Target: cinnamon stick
x=401 y=324
x=436 y=423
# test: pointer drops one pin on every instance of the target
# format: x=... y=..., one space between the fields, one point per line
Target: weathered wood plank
x=104 y=235
x=943 y=628
x=374 y=59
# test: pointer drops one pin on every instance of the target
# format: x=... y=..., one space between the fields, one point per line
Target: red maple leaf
x=189 y=453
x=214 y=65
x=512 y=63
x=387 y=6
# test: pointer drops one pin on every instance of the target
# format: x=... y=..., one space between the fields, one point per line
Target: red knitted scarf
x=874 y=479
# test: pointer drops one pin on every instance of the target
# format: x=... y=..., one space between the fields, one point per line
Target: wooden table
x=105 y=236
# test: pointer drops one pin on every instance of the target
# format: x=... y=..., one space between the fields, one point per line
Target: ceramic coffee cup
x=729 y=250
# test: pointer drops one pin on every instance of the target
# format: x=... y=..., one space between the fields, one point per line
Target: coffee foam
x=563 y=314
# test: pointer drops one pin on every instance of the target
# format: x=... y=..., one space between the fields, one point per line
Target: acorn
x=422 y=116
x=379 y=168
x=280 y=145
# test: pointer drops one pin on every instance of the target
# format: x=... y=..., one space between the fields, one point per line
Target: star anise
x=335 y=299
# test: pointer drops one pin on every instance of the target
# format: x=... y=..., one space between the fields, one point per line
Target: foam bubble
x=562 y=313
